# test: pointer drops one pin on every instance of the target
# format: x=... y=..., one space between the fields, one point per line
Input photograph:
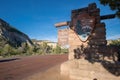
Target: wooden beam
x=110 y=16
x=67 y=23
x=62 y=24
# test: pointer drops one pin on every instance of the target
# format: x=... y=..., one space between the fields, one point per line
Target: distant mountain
x=12 y=36
x=35 y=40
x=40 y=42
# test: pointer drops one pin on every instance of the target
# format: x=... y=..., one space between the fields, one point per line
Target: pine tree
x=113 y=4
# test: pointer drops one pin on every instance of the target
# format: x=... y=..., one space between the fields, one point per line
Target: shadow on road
x=8 y=60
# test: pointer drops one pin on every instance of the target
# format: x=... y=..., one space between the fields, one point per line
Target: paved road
x=21 y=67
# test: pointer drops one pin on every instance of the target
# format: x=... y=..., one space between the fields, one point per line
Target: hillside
x=12 y=36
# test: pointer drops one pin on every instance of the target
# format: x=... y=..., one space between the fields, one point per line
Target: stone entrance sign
x=86 y=33
x=87 y=43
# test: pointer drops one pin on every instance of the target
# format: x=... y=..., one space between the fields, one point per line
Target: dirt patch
x=51 y=74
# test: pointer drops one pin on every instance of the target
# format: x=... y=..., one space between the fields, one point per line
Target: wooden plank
x=109 y=16
x=62 y=24
x=67 y=23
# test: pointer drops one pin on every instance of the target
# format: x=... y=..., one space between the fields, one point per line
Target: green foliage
x=36 y=48
x=57 y=50
x=113 y=4
x=25 y=49
x=44 y=47
x=115 y=43
x=8 y=50
x=2 y=42
x=65 y=51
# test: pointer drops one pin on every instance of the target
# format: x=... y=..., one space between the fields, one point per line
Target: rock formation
x=12 y=36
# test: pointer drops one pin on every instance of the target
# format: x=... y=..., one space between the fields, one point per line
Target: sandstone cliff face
x=12 y=36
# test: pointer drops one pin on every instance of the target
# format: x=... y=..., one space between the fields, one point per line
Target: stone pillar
x=74 y=42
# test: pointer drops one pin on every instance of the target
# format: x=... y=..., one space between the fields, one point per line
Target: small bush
x=115 y=43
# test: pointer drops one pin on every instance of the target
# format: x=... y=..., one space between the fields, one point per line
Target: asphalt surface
x=22 y=67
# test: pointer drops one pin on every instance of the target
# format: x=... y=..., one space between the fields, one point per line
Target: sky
x=36 y=18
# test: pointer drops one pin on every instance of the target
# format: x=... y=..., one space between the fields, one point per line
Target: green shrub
x=115 y=43
x=25 y=49
x=65 y=50
x=57 y=50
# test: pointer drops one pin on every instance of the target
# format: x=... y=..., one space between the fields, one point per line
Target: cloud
x=53 y=39
x=113 y=37
x=50 y=38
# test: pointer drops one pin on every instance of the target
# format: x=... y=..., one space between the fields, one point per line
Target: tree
x=8 y=50
x=44 y=46
x=115 y=43
x=36 y=48
x=57 y=50
x=3 y=42
x=24 y=47
x=113 y=4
